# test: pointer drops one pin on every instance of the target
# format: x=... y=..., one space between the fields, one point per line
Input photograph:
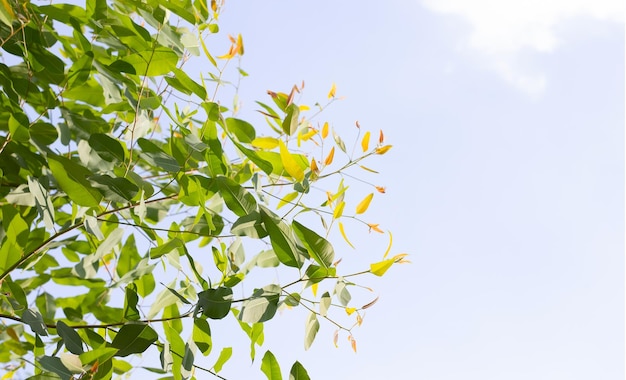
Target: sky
x=505 y=183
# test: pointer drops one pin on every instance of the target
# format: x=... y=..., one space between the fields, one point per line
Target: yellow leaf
x=365 y=143
x=331 y=93
x=265 y=142
x=343 y=233
x=239 y=44
x=290 y=164
x=314 y=289
x=389 y=246
x=359 y=320
x=287 y=199
x=381 y=267
x=329 y=158
x=365 y=203
x=304 y=107
x=230 y=54
x=314 y=167
x=312 y=132
x=383 y=149
x=368 y=169
x=325 y=130
x=339 y=210
x=350 y=310
x=8 y=375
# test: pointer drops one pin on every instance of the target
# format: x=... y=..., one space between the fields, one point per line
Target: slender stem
x=42 y=246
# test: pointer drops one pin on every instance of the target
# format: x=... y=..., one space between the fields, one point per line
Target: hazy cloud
x=501 y=30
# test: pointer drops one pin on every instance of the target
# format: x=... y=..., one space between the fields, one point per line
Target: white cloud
x=503 y=29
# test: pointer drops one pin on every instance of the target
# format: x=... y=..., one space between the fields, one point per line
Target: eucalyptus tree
x=135 y=204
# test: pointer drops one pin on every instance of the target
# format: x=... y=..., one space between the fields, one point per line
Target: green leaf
x=282 y=242
x=311 y=329
x=166 y=248
x=215 y=303
x=316 y=273
x=261 y=306
x=54 y=364
x=253 y=156
x=290 y=123
x=156 y=157
x=237 y=199
x=116 y=189
x=43 y=133
x=72 y=179
x=270 y=367
x=243 y=130
x=293 y=299
x=324 y=304
x=250 y=225
x=202 y=335
x=34 y=319
x=134 y=339
x=225 y=354
x=298 y=372
x=70 y=337
x=43 y=202
x=131 y=299
x=318 y=247
x=342 y=292
x=108 y=148
x=155 y=62
x=100 y=354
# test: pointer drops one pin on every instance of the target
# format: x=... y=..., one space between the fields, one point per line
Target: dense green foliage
x=117 y=167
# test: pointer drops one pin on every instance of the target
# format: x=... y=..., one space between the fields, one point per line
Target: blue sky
x=505 y=183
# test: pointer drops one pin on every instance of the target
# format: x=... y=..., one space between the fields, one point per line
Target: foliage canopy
x=119 y=169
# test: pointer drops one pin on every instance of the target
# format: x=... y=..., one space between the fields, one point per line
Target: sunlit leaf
x=287 y=199
x=202 y=335
x=311 y=329
x=366 y=141
x=324 y=304
x=289 y=163
x=364 y=204
x=383 y=149
x=381 y=267
x=270 y=367
x=318 y=247
x=329 y=158
x=261 y=306
x=333 y=90
x=339 y=210
x=265 y=142
x=343 y=234
x=225 y=354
